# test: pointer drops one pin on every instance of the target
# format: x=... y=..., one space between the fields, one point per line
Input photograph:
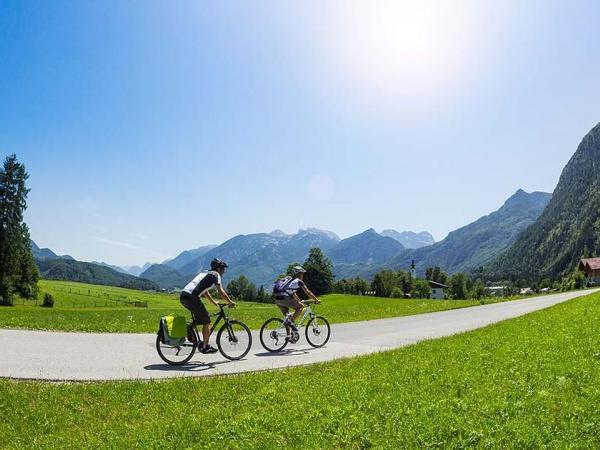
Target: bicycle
x=234 y=340
x=275 y=334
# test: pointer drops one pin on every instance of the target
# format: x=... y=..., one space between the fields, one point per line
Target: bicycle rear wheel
x=234 y=340
x=273 y=335
x=318 y=331
x=176 y=355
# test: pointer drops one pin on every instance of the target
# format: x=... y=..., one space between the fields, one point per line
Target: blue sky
x=153 y=127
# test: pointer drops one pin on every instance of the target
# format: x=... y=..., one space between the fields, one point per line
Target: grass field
x=531 y=382
x=82 y=307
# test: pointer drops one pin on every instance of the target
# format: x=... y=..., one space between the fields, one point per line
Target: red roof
x=591 y=263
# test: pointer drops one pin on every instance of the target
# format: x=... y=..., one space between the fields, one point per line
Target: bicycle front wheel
x=176 y=355
x=318 y=331
x=273 y=335
x=234 y=340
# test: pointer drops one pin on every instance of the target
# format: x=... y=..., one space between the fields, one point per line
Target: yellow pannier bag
x=174 y=328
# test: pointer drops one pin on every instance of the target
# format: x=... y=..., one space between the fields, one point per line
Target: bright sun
x=401 y=47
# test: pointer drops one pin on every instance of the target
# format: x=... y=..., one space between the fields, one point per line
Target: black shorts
x=195 y=305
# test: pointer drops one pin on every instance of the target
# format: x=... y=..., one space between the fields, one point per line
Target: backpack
x=280 y=285
x=174 y=329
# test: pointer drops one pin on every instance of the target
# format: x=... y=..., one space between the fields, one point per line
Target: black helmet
x=218 y=264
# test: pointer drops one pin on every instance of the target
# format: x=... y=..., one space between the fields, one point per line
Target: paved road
x=94 y=356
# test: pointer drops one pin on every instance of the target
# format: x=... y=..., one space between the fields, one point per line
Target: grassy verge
x=530 y=382
x=82 y=307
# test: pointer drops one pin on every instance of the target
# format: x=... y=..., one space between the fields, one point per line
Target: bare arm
x=225 y=295
x=310 y=294
x=295 y=297
x=210 y=297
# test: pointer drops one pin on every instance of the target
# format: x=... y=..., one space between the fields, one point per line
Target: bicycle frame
x=275 y=333
x=221 y=315
x=229 y=335
x=307 y=313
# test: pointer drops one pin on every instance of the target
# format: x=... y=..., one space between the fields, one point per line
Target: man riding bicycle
x=286 y=296
x=198 y=287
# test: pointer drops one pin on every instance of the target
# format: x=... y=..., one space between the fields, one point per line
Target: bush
x=48 y=301
x=6 y=298
x=397 y=293
x=421 y=289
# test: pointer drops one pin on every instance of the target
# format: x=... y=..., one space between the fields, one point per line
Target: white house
x=437 y=290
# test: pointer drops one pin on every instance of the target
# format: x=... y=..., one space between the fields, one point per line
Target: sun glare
x=401 y=47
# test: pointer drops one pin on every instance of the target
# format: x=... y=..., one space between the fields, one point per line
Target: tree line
x=18 y=272
x=318 y=276
x=399 y=283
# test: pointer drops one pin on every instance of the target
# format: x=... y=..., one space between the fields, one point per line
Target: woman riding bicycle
x=286 y=296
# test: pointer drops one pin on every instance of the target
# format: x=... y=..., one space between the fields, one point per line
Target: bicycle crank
x=294 y=337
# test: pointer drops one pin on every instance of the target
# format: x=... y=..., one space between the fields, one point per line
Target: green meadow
x=83 y=307
x=530 y=382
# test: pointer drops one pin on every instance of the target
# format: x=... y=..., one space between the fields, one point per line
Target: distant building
x=591 y=268
x=497 y=291
x=437 y=290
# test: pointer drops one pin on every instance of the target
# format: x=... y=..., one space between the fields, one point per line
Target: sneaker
x=291 y=324
x=208 y=349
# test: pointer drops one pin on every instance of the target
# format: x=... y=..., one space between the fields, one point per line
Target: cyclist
x=200 y=286
x=286 y=297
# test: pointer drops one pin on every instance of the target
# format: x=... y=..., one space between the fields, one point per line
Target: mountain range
x=474 y=245
x=262 y=257
x=531 y=235
x=135 y=270
x=65 y=267
x=83 y=272
x=45 y=253
x=410 y=239
x=568 y=229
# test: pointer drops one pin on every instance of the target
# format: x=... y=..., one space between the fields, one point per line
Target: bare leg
x=206 y=334
x=297 y=314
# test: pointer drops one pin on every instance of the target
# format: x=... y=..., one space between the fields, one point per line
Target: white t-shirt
x=293 y=286
x=202 y=283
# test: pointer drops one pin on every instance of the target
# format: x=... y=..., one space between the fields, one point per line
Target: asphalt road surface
x=58 y=356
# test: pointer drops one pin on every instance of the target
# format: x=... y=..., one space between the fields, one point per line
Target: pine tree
x=319 y=272
x=16 y=261
x=28 y=276
x=261 y=295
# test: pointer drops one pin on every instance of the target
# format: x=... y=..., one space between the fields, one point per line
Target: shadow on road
x=287 y=352
x=189 y=367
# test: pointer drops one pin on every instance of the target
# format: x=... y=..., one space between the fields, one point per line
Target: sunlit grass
x=83 y=307
x=530 y=382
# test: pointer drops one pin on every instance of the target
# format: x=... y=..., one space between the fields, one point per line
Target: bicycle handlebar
x=310 y=302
